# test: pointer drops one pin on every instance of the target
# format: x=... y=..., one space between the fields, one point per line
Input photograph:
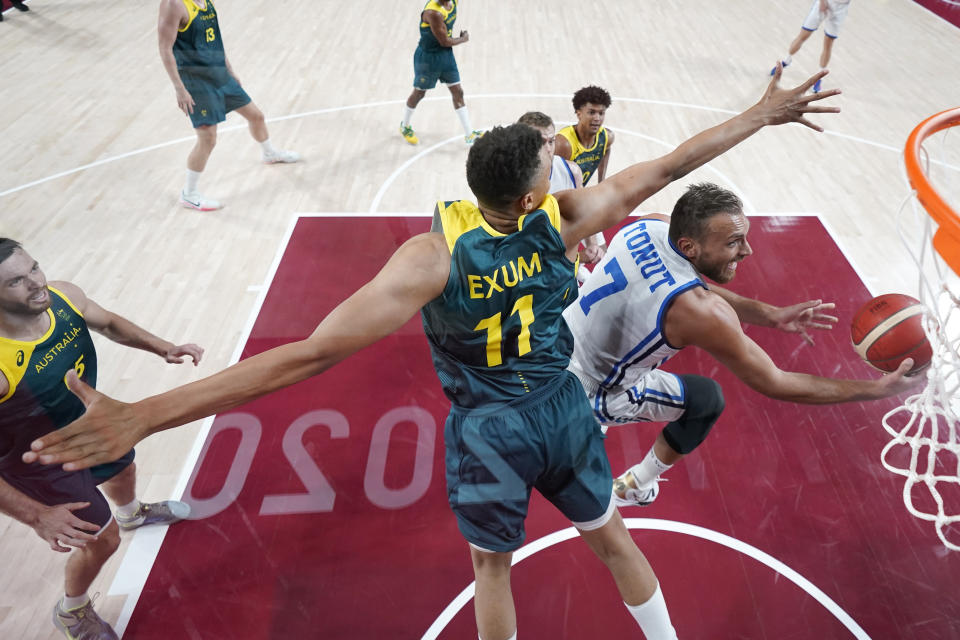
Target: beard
x=26 y=308
x=717 y=271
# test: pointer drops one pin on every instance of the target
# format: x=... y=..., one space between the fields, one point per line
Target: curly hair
x=503 y=163
x=536 y=119
x=592 y=94
x=696 y=206
x=7 y=247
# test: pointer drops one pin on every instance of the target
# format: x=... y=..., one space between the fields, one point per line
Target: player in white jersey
x=648 y=298
x=829 y=13
x=565 y=174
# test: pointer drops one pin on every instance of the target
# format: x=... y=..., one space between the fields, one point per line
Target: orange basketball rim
x=947 y=238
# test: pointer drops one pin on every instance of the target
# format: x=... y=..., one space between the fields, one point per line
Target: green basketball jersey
x=497 y=331
x=587 y=159
x=428 y=42
x=38 y=400
x=198 y=48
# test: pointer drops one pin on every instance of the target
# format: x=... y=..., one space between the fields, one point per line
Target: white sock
x=787 y=59
x=127 y=510
x=407 y=115
x=513 y=637
x=268 y=149
x=464 y=120
x=69 y=603
x=653 y=617
x=193 y=177
x=649 y=468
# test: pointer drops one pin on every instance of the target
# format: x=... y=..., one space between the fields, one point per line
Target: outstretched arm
x=604 y=205
x=124 y=332
x=703 y=319
x=796 y=318
x=416 y=274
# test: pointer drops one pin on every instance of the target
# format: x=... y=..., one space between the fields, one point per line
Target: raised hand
x=791 y=105
x=106 y=431
x=805 y=315
x=61 y=529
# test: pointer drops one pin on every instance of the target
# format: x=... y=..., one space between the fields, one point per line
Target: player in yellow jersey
x=432 y=61
x=207 y=88
x=44 y=333
x=510 y=439
x=588 y=142
x=566 y=174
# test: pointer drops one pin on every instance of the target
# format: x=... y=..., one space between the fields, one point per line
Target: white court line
x=131 y=576
x=747 y=205
x=367 y=105
x=144 y=548
x=674 y=527
x=847 y=255
x=145 y=544
x=403 y=167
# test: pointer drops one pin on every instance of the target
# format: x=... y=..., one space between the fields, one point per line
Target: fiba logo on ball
x=889 y=329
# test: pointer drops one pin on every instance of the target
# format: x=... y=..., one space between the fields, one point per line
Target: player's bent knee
x=705 y=403
x=108 y=540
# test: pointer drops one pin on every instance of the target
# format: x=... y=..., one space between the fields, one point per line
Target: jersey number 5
x=79 y=367
x=524 y=307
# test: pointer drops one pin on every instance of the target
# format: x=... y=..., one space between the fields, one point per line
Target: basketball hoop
x=927 y=426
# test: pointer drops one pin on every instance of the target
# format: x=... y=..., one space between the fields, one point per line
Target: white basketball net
x=926 y=425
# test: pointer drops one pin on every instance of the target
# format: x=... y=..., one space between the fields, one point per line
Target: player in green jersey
x=433 y=60
x=207 y=88
x=44 y=333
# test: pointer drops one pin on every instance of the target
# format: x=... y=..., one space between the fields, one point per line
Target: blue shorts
x=428 y=67
x=495 y=457
x=51 y=485
x=213 y=99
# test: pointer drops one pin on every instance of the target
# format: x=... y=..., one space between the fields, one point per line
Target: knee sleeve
x=704 y=400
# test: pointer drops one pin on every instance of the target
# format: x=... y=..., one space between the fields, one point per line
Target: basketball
x=889 y=329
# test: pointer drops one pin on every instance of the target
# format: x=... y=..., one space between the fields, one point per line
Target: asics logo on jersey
x=504 y=276
x=646 y=257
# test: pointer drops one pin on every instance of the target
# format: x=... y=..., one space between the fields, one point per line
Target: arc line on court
x=381 y=103
x=670 y=526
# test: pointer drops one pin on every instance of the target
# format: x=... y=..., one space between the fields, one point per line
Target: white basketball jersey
x=561 y=177
x=617 y=321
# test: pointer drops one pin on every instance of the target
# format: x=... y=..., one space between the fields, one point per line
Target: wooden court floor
x=94 y=151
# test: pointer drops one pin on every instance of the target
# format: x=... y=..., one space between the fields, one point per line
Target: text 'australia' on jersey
x=497 y=331
x=428 y=41
x=587 y=159
x=198 y=48
x=38 y=400
x=618 y=321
